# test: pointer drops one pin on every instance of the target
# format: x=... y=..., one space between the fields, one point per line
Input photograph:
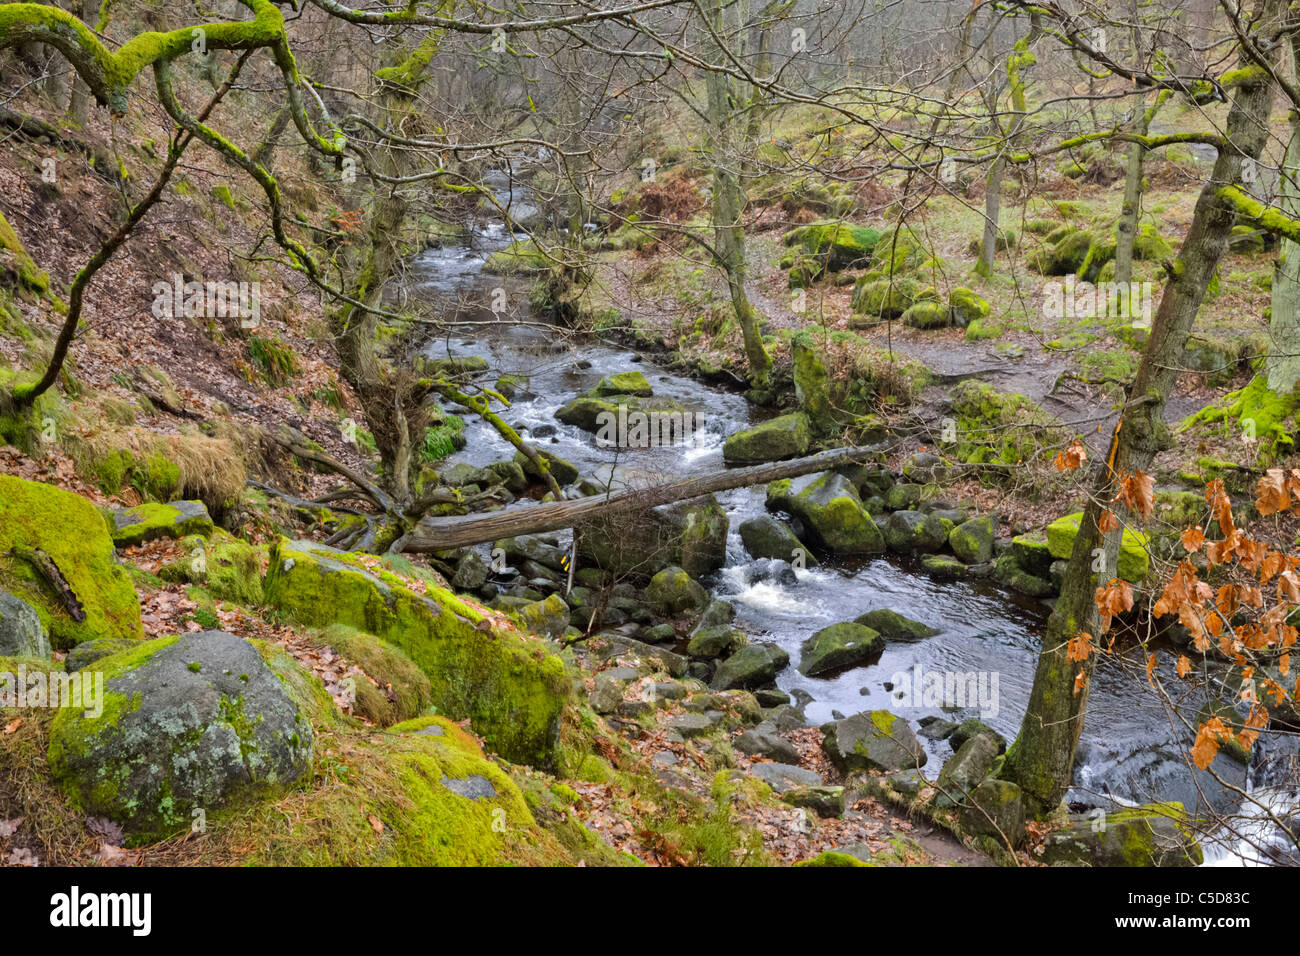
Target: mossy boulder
x=1157 y=834
x=226 y=567
x=966 y=307
x=752 y=666
x=972 y=540
x=786 y=436
x=508 y=684
x=1032 y=552
x=837 y=244
x=715 y=641
x=1150 y=245
x=72 y=533
x=563 y=471
x=687 y=534
x=767 y=537
x=893 y=626
x=927 y=315
x=1010 y=573
x=996 y=809
x=912 y=532
x=673 y=591
x=996 y=426
x=21 y=632
x=198 y=722
x=885 y=298
x=1065 y=256
x=829 y=506
x=1134 y=561
x=965 y=769
x=548 y=617
x=622 y=383
x=520 y=258
x=837 y=647
x=872 y=740
x=812 y=385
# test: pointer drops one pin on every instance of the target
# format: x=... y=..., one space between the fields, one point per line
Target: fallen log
x=441 y=534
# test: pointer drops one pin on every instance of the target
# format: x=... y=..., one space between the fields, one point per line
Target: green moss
x=72 y=532
x=1254 y=411
x=228 y=568
x=832 y=858
x=994 y=426
x=1134 y=559
x=512 y=689
x=30 y=278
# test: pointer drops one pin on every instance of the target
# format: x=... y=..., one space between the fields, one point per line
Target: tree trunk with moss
x=1041 y=760
x=727 y=146
x=1018 y=62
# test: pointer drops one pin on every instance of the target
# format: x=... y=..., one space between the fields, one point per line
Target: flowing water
x=1128 y=753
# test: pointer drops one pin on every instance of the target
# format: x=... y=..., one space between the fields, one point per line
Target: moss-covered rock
x=752 y=666
x=839 y=646
x=996 y=809
x=1065 y=256
x=786 y=436
x=391 y=688
x=520 y=258
x=226 y=567
x=838 y=244
x=152 y=520
x=72 y=533
x=886 y=298
x=31 y=278
x=972 y=540
x=688 y=534
x=563 y=471
x=927 y=315
x=1010 y=573
x=812 y=385
x=1134 y=561
x=622 y=383
x=1150 y=245
x=913 y=532
x=673 y=591
x=767 y=537
x=1157 y=834
x=995 y=426
x=893 y=626
x=829 y=506
x=967 y=307
x=198 y=722
x=512 y=689
x=872 y=740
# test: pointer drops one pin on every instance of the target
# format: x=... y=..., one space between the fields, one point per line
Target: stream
x=1128 y=754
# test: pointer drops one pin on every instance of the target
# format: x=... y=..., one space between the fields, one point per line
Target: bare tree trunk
x=1042 y=759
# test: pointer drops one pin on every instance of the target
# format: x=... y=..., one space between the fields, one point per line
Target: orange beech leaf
x=1184 y=665
x=1208 y=736
x=1108 y=522
x=1151 y=668
x=1080 y=679
x=1079 y=648
x=1193 y=538
x=1137 y=493
x=1071 y=457
x=1271 y=493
